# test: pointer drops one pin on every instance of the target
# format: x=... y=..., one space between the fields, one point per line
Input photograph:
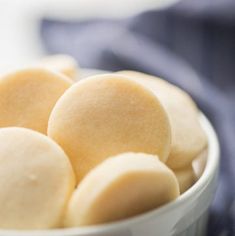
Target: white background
x=19 y=41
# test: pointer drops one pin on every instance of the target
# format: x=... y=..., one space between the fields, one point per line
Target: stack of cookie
x=93 y=151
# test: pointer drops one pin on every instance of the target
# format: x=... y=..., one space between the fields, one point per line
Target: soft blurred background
x=20 y=22
x=191 y=43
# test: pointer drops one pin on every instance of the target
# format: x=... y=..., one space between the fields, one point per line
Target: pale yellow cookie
x=188 y=137
x=36 y=180
x=199 y=163
x=64 y=64
x=106 y=115
x=186 y=178
x=120 y=187
x=27 y=97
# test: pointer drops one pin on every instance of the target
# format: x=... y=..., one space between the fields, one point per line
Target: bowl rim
x=208 y=174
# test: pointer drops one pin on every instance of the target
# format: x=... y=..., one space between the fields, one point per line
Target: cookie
x=64 y=64
x=199 y=163
x=27 y=97
x=188 y=137
x=106 y=115
x=121 y=187
x=186 y=178
x=36 y=180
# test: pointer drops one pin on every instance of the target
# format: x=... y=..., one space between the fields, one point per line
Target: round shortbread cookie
x=36 y=180
x=120 y=187
x=199 y=163
x=106 y=115
x=186 y=178
x=64 y=64
x=188 y=137
x=27 y=97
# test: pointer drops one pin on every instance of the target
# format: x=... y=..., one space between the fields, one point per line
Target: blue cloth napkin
x=193 y=35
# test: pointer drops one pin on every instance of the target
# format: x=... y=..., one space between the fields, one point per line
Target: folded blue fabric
x=193 y=35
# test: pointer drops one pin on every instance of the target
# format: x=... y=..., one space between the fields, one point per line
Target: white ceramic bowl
x=186 y=216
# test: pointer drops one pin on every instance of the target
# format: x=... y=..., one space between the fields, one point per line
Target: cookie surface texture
x=106 y=115
x=36 y=180
x=122 y=186
x=188 y=137
x=27 y=97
